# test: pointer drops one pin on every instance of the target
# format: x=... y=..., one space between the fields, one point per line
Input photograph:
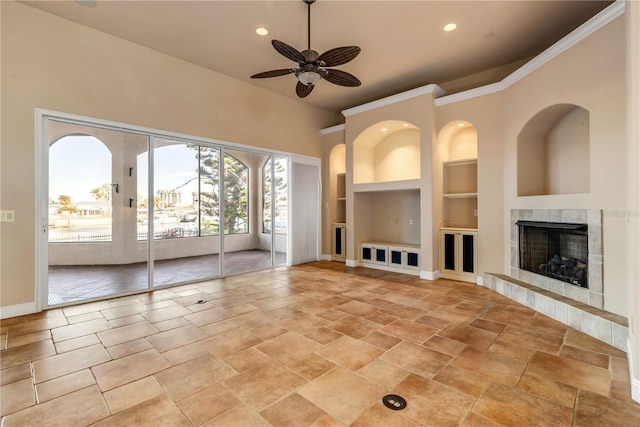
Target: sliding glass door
x=128 y=211
x=93 y=247
x=250 y=202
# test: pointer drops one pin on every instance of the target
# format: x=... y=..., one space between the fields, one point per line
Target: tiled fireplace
x=559 y=250
x=579 y=305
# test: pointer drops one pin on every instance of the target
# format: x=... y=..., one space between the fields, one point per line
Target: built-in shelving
x=460 y=193
x=341 y=197
x=460 y=162
x=408 y=184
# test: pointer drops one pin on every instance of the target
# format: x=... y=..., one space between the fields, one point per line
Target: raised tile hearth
x=603 y=325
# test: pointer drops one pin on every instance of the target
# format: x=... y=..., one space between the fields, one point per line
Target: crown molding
x=583 y=31
x=333 y=129
x=434 y=89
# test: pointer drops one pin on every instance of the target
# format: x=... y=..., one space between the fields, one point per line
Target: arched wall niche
x=554 y=152
x=459 y=140
x=380 y=148
x=338 y=159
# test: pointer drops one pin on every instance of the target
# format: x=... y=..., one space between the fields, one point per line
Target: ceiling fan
x=311 y=66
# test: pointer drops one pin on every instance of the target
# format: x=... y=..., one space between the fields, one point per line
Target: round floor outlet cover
x=395 y=402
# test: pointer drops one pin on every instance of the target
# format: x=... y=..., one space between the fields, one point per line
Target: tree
x=103 y=193
x=280 y=196
x=66 y=205
x=236 y=183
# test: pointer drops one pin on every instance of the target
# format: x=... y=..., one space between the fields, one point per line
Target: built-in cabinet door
x=458 y=254
x=397 y=257
x=374 y=254
x=448 y=252
x=468 y=253
x=404 y=257
x=339 y=252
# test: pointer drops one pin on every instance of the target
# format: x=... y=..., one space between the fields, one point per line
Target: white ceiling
x=403 y=45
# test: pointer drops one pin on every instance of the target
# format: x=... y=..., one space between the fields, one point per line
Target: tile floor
x=72 y=283
x=312 y=345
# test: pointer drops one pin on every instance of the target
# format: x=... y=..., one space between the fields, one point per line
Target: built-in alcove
x=553 y=152
x=388 y=216
x=379 y=149
x=337 y=174
x=458 y=142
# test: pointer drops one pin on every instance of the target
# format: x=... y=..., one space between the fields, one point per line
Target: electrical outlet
x=7 y=216
x=411 y=222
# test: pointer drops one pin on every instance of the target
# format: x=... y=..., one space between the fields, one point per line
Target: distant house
x=92 y=208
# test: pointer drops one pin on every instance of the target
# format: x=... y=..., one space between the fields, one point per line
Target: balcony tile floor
x=313 y=345
x=82 y=282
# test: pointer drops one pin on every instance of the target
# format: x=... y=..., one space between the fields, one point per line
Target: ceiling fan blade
x=303 y=90
x=342 y=78
x=274 y=73
x=288 y=51
x=338 y=56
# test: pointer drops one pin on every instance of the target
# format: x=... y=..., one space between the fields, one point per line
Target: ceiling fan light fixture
x=309 y=78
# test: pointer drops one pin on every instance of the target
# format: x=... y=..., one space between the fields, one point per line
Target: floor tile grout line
x=33 y=382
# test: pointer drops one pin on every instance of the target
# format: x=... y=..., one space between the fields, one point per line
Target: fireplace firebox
x=556 y=250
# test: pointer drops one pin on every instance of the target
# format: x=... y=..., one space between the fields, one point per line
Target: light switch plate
x=7 y=216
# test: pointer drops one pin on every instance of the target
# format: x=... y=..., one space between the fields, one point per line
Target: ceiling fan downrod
x=309 y=3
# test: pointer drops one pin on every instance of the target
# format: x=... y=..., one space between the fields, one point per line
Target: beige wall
x=595 y=82
x=632 y=291
x=51 y=63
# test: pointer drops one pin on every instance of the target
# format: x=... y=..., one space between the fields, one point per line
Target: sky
x=78 y=164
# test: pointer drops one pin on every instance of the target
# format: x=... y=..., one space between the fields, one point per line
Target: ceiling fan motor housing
x=310 y=55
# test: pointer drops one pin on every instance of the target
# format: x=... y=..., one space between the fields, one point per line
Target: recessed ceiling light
x=450 y=27
x=383 y=129
x=460 y=125
x=262 y=31
x=405 y=124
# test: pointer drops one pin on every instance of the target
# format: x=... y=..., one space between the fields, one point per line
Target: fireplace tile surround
x=594 y=295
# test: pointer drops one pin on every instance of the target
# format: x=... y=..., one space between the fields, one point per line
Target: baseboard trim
x=325 y=257
x=635 y=383
x=17 y=310
x=479 y=280
x=429 y=275
x=352 y=263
